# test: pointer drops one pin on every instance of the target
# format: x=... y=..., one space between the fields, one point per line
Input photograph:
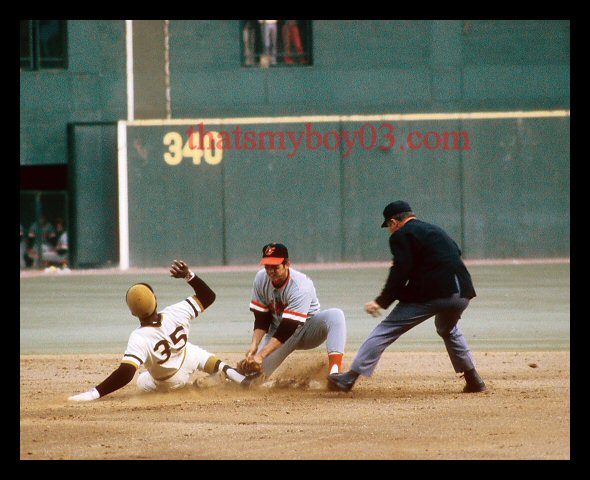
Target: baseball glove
x=248 y=368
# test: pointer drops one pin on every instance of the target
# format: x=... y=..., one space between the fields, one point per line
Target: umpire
x=428 y=278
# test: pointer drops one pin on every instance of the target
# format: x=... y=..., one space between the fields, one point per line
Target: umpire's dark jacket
x=426 y=265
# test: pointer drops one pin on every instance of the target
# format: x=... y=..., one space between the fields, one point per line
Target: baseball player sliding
x=287 y=316
x=160 y=343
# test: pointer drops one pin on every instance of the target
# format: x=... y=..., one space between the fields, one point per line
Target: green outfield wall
x=497 y=190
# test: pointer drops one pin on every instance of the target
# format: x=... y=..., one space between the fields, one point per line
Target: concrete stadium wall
x=359 y=66
x=495 y=199
x=92 y=89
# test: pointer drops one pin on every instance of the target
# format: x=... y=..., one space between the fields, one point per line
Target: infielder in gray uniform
x=287 y=315
x=429 y=279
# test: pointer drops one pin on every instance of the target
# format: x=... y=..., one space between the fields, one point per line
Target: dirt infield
x=412 y=408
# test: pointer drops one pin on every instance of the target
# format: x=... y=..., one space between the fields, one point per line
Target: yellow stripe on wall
x=355 y=118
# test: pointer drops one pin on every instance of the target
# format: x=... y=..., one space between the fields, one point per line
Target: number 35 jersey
x=161 y=348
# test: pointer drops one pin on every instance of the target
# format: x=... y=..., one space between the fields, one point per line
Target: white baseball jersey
x=295 y=299
x=162 y=348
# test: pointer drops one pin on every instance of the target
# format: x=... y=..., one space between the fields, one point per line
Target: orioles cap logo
x=269 y=250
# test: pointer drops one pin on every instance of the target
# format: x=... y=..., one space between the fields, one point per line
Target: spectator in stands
x=31 y=254
x=23 y=247
x=292 y=38
x=249 y=34
x=268 y=30
x=58 y=255
x=44 y=231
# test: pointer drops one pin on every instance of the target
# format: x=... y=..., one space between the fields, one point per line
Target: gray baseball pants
x=446 y=312
x=325 y=326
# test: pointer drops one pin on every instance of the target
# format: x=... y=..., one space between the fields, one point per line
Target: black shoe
x=342 y=381
x=474 y=382
x=474 y=388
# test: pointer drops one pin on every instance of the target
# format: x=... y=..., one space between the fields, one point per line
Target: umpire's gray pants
x=403 y=317
x=325 y=326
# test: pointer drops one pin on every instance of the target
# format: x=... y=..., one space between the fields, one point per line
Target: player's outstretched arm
x=206 y=296
x=116 y=380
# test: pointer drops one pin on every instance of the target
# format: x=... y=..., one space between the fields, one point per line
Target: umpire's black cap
x=394 y=208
